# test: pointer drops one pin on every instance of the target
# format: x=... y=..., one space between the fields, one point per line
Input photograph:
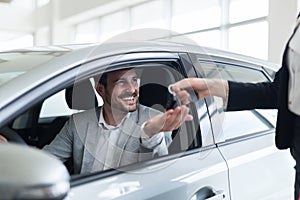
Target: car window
x=249 y=121
x=55 y=106
x=154 y=81
x=232 y=72
x=41 y=123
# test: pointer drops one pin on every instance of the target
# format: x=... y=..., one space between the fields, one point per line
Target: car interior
x=32 y=129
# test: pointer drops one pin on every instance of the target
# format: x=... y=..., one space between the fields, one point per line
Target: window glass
x=140 y=17
x=41 y=3
x=120 y=24
x=87 y=32
x=24 y=4
x=207 y=38
x=241 y=10
x=232 y=72
x=42 y=36
x=240 y=123
x=191 y=15
x=14 y=40
x=250 y=39
x=55 y=106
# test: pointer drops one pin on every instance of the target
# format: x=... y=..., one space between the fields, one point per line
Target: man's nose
x=131 y=87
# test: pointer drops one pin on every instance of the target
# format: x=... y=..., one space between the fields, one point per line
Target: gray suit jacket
x=82 y=139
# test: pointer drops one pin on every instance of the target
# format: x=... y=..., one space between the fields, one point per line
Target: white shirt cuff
x=151 y=142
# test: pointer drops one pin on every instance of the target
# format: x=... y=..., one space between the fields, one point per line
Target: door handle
x=208 y=193
x=219 y=195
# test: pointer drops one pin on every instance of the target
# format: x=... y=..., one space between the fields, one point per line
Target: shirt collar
x=107 y=126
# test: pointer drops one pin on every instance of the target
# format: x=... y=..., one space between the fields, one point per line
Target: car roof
x=98 y=50
x=77 y=54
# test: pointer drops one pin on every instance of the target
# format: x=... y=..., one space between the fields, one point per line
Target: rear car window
x=250 y=121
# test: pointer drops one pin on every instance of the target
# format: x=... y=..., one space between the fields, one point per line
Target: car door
x=257 y=169
x=194 y=167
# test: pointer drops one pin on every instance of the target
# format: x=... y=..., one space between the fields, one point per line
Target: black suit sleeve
x=246 y=96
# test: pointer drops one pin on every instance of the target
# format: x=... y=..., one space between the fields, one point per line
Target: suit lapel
x=93 y=145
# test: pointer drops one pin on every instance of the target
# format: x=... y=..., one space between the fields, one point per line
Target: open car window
x=41 y=123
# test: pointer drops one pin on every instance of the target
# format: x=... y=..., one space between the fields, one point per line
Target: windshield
x=14 y=64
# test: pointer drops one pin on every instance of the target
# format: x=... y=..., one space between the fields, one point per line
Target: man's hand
x=168 y=121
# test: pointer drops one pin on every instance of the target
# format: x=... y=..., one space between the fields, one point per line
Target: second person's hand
x=202 y=86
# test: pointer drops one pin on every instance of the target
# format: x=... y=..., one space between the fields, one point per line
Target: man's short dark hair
x=102 y=79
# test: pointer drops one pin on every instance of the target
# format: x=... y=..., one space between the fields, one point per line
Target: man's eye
x=120 y=83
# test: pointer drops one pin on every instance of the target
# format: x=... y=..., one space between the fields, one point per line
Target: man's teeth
x=128 y=98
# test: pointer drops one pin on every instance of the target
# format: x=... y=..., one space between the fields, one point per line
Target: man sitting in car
x=120 y=132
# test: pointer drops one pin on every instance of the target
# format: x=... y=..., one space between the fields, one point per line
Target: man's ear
x=100 y=89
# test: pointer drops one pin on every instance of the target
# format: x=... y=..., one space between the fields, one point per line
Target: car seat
x=154 y=89
x=154 y=92
x=81 y=96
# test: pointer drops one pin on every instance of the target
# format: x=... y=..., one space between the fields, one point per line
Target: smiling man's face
x=121 y=91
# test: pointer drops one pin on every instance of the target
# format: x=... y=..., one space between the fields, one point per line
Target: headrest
x=154 y=89
x=81 y=96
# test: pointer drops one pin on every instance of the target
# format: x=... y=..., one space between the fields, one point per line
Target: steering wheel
x=11 y=135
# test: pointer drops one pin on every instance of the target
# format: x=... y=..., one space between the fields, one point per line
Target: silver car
x=218 y=155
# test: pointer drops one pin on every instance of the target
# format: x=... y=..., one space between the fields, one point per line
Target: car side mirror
x=29 y=173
